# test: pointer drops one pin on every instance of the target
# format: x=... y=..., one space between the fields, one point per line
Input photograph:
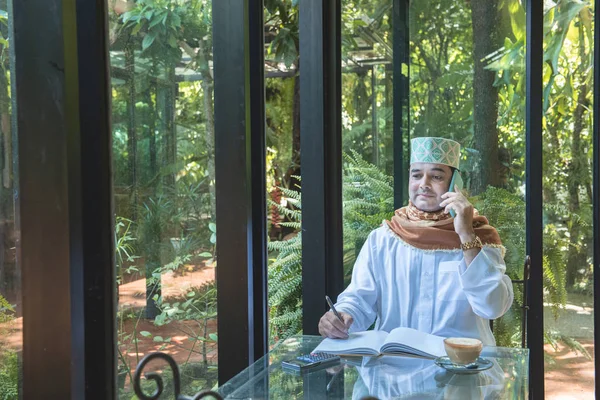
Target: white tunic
x=433 y=291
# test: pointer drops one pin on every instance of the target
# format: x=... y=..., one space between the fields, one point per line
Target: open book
x=400 y=342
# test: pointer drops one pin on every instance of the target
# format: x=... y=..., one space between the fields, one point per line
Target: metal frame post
x=321 y=157
x=534 y=207
x=240 y=184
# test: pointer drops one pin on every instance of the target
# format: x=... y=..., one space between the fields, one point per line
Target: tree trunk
x=209 y=115
x=374 y=120
x=295 y=168
x=131 y=131
x=484 y=15
x=169 y=124
x=151 y=132
x=210 y=145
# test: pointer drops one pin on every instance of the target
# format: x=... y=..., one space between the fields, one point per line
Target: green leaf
x=155 y=21
x=145 y=334
x=213 y=227
x=172 y=41
x=176 y=20
x=214 y=337
x=213 y=238
x=148 y=40
x=205 y=254
x=126 y=16
x=136 y=29
x=158 y=339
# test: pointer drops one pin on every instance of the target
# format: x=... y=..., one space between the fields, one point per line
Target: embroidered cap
x=435 y=150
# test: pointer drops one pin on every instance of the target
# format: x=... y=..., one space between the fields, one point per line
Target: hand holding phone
x=456 y=181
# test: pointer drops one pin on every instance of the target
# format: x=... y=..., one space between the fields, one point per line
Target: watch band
x=476 y=243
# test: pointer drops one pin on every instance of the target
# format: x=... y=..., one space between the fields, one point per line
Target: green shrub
x=9 y=376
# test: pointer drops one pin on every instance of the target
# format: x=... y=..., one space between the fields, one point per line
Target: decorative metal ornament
x=157 y=378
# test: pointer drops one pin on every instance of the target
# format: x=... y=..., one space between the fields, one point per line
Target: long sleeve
x=485 y=284
x=360 y=297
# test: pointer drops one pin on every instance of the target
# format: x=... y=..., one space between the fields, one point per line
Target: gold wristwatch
x=476 y=243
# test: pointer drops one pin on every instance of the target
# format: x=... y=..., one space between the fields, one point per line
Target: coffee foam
x=463 y=341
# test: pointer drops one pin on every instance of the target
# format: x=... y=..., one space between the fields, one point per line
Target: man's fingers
x=341 y=326
x=332 y=331
x=348 y=320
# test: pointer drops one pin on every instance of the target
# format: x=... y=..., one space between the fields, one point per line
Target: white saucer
x=481 y=364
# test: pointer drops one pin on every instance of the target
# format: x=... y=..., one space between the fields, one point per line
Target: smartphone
x=456 y=181
x=310 y=362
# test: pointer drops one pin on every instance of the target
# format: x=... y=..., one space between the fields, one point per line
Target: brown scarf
x=435 y=230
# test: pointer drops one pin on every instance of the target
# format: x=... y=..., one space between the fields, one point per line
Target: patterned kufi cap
x=435 y=150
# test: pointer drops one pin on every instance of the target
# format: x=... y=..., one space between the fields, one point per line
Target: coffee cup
x=463 y=350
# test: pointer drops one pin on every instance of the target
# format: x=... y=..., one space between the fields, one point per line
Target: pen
x=333 y=309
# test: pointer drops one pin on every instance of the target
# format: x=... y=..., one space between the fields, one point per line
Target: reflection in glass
x=393 y=377
x=164 y=185
x=384 y=377
x=11 y=318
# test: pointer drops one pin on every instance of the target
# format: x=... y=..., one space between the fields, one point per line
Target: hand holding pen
x=335 y=324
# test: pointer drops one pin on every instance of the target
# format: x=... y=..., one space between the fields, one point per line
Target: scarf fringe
x=457 y=250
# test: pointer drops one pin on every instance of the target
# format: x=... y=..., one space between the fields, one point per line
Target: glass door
x=164 y=187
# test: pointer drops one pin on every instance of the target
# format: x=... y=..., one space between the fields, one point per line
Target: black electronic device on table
x=310 y=362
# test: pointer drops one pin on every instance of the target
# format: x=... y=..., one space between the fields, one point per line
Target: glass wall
x=282 y=81
x=567 y=191
x=11 y=317
x=164 y=185
x=367 y=122
x=467 y=79
x=467 y=83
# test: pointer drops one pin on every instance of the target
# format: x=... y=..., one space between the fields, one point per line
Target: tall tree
x=578 y=168
x=484 y=17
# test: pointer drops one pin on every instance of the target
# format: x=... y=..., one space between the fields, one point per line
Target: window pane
x=567 y=189
x=11 y=318
x=282 y=80
x=164 y=185
x=467 y=84
x=367 y=122
x=479 y=104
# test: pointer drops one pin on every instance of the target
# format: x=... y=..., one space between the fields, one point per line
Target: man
x=424 y=269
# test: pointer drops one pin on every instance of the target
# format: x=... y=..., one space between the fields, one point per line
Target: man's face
x=428 y=182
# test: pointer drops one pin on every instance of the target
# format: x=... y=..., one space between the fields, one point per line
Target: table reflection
x=397 y=377
x=379 y=378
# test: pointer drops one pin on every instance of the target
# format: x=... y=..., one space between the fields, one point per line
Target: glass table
x=380 y=378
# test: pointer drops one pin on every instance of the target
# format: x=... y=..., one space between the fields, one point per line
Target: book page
x=412 y=341
x=359 y=343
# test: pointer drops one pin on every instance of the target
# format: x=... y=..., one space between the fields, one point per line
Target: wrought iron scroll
x=157 y=378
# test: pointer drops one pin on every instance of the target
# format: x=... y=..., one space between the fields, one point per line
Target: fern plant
x=368 y=200
x=285 y=273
